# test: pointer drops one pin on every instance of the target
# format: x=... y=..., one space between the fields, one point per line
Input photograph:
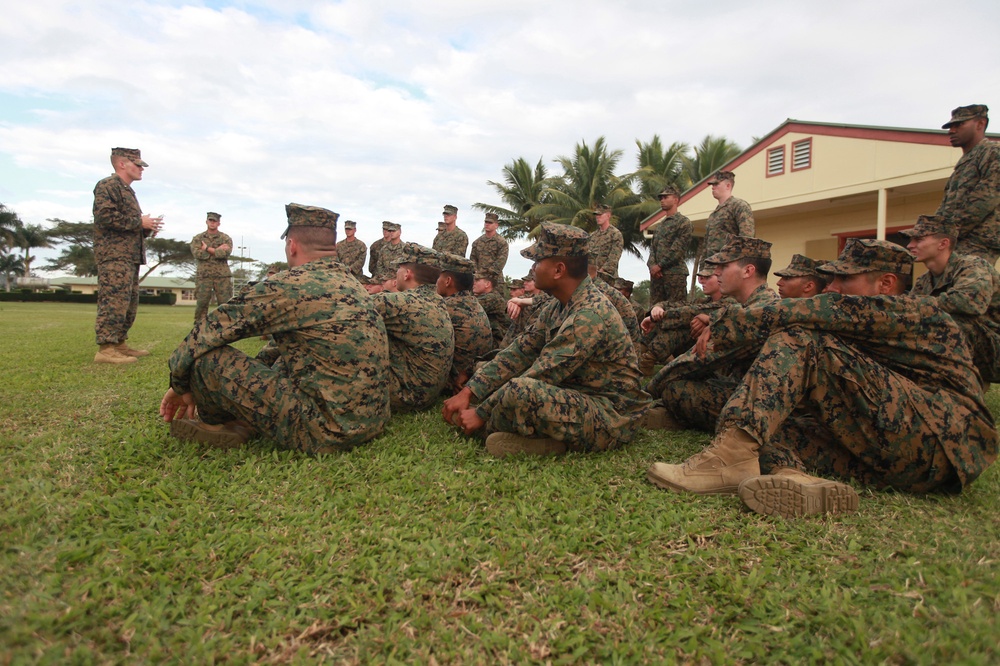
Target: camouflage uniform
x=388 y=257
x=473 y=336
x=525 y=317
x=421 y=345
x=330 y=386
x=879 y=389
x=606 y=248
x=574 y=377
x=732 y=218
x=969 y=290
x=212 y=276
x=351 y=253
x=118 y=252
x=624 y=308
x=454 y=242
x=671 y=336
x=489 y=254
x=373 y=256
x=669 y=246
x=495 y=307
x=971 y=204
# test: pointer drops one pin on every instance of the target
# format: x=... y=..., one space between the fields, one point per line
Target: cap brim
x=141 y=163
x=531 y=252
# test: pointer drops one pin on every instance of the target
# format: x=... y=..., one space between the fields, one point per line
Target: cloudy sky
x=388 y=110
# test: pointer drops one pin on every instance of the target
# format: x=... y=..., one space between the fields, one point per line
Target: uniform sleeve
x=675 y=245
x=971 y=291
x=199 y=254
x=744 y=219
x=223 y=254
x=974 y=194
x=510 y=362
x=614 y=253
x=115 y=207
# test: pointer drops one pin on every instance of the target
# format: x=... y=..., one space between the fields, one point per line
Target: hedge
x=27 y=296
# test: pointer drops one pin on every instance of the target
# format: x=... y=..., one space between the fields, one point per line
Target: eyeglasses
x=714 y=183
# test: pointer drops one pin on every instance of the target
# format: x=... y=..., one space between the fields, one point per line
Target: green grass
x=120 y=544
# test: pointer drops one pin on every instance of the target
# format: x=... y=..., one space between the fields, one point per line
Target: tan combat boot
x=109 y=354
x=658 y=418
x=125 y=350
x=503 y=444
x=719 y=469
x=790 y=493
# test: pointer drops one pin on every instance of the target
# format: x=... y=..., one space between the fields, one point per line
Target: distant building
x=814 y=185
x=151 y=286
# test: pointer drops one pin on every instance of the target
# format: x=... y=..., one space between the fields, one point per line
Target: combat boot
x=647 y=361
x=125 y=350
x=503 y=444
x=719 y=469
x=193 y=430
x=658 y=418
x=109 y=354
x=790 y=493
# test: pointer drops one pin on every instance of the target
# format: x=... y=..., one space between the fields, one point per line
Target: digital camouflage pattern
x=329 y=384
x=671 y=336
x=969 y=290
x=489 y=254
x=623 y=307
x=668 y=249
x=351 y=252
x=373 y=256
x=473 y=335
x=732 y=218
x=212 y=275
x=971 y=204
x=454 y=241
x=573 y=377
x=421 y=345
x=118 y=251
x=388 y=256
x=525 y=318
x=695 y=389
x=880 y=389
x=495 y=307
x=606 y=248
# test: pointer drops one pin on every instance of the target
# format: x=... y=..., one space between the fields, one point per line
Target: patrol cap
x=606 y=276
x=350 y=224
x=310 y=216
x=530 y=277
x=557 y=240
x=929 y=225
x=450 y=210
x=963 y=113
x=867 y=255
x=491 y=217
x=441 y=225
x=517 y=283
x=213 y=216
x=415 y=253
x=801 y=266
x=741 y=247
x=389 y=226
x=455 y=264
x=601 y=208
x=622 y=283
x=722 y=175
x=487 y=275
x=133 y=154
x=706 y=271
x=668 y=191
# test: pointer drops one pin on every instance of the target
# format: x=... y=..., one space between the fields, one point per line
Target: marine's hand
x=455 y=404
x=699 y=324
x=657 y=313
x=646 y=325
x=704 y=342
x=177 y=406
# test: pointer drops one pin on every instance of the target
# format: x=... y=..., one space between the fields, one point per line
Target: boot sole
x=503 y=444
x=188 y=430
x=787 y=497
x=667 y=485
x=102 y=358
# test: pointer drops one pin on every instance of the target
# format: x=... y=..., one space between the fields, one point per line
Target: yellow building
x=151 y=286
x=813 y=185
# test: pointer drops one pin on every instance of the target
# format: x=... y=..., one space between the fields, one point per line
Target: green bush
x=25 y=296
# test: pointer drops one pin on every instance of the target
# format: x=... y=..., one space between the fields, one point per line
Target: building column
x=883 y=204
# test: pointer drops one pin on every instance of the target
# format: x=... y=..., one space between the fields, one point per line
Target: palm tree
x=709 y=156
x=31 y=236
x=10 y=265
x=521 y=190
x=658 y=167
x=9 y=224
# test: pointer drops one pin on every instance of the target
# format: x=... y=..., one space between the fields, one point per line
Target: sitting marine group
x=847 y=374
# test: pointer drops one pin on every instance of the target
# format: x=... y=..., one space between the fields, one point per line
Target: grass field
x=123 y=545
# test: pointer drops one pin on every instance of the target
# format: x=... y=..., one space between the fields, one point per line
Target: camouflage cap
x=557 y=240
x=963 y=113
x=622 y=283
x=415 y=253
x=455 y=264
x=491 y=217
x=722 y=175
x=706 y=271
x=450 y=210
x=517 y=283
x=601 y=208
x=383 y=276
x=310 y=216
x=350 y=224
x=867 y=255
x=487 y=275
x=929 y=225
x=213 y=216
x=364 y=279
x=530 y=277
x=668 y=191
x=605 y=276
x=133 y=154
x=800 y=266
x=741 y=247
x=389 y=226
